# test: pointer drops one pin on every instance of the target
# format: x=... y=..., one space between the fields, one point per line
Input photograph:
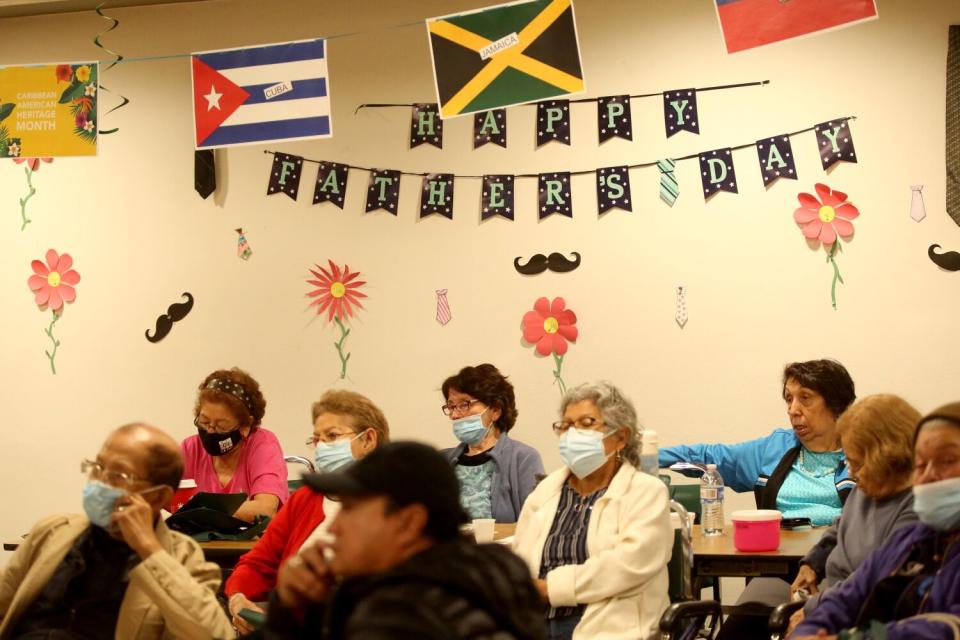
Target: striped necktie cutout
x=669 y=188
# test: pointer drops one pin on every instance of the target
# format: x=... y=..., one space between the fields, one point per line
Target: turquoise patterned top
x=809 y=490
x=475 y=474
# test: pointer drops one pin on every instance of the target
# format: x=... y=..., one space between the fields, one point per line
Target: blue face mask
x=334 y=455
x=938 y=504
x=99 y=500
x=470 y=430
x=582 y=451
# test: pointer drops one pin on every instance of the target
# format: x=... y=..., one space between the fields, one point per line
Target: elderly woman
x=877 y=436
x=496 y=472
x=799 y=471
x=914 y=576
x=596 y=533
x=346 y=427
x=231 y=452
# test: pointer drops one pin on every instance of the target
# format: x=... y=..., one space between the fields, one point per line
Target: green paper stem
x=557 y=378
x=344 y=332
x=836 y=273
x=23 y=201
x=56 y=343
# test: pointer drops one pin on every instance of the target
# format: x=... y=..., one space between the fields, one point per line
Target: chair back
x=295 y=483
x=681 y=560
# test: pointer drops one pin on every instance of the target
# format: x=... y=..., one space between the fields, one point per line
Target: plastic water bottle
x=649 y=461
x=711 y=501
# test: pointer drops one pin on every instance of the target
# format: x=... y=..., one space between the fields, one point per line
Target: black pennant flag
x=426 y=127
x=836 y=143
x=436 y=195
x=285 y=175
x=613 y=118
x=204 y=172
x=613 y=188
x=490 y=126
x=496 y=197
x=553 y=121
x=331 y=183
x=716 y=172
x=680 y=111
x=776 y=159
x=384 y=190
x=554 y=194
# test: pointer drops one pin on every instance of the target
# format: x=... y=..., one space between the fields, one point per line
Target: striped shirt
x=566 y=543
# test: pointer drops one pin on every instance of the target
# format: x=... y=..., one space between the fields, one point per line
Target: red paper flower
x=64 y=73
x=550 y=326
x=827 y=217
x=33 y=163
x=53 y=282
x=337 y=293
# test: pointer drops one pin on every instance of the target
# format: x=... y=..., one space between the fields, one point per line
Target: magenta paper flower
x=826 y=218
x=53 y=284
x=33 y=163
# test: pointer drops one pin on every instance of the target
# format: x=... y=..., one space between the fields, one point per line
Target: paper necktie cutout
x=681 y=313
x=917 y=211
x=669 y=187
x=204 y=172
x=443 y=307
x=243 y=248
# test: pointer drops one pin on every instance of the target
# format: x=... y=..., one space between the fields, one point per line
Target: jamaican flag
x=505 y=55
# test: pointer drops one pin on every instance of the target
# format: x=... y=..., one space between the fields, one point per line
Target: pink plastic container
x=756 y=529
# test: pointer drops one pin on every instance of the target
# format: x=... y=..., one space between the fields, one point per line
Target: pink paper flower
x=338 y=293
x=53 y=282
x=33 y=163
x=826 y=218
x=550 y=326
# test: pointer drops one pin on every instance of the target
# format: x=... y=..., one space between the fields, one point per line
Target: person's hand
x=305 y=577
x=133 y=518
x=806 y=579
x=542 y=588
x=795 y=619
x=237 y=602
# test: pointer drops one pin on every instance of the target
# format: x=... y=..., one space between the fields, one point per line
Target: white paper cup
x=483 y=529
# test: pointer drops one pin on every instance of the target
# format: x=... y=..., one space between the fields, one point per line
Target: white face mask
x=938 y=504
x=334 y=455
x=582 y=450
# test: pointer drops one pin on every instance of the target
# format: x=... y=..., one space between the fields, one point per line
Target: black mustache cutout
x=949 y=260
x=175 y=312
x=538 y=263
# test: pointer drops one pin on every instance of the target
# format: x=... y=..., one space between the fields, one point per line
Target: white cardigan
x=629 y=540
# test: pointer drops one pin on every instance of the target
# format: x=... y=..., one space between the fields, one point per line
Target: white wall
x=758 y=296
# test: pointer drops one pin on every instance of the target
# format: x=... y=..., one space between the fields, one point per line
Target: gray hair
x=616 y=410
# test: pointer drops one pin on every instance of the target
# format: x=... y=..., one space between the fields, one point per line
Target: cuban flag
x=273 y=93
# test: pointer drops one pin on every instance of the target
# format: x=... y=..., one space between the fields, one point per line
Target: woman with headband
x=231 y=452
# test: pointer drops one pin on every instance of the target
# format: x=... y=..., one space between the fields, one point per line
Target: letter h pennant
x=436 y=195
x=426 y=127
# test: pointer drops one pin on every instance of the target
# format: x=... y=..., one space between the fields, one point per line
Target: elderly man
x=397 y=567
x=117 y=572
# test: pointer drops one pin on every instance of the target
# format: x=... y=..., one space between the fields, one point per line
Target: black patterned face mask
x=218 y=444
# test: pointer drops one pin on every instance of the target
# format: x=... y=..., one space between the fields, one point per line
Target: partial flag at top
x=505 y=55
x=272 y=93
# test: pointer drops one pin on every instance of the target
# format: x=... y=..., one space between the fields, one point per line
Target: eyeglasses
x=113 y=478
x=460 y=407
x=329 y=437
x=586 y=422
x=214 y=427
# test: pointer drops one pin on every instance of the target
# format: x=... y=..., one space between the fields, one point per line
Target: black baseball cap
x=406 y=473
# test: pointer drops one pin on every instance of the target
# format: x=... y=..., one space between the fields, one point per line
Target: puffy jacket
x=451 y=591
x=761 y=464
x=839 y=608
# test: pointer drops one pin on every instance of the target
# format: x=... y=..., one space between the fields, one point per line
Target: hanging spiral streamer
x=117 y=59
